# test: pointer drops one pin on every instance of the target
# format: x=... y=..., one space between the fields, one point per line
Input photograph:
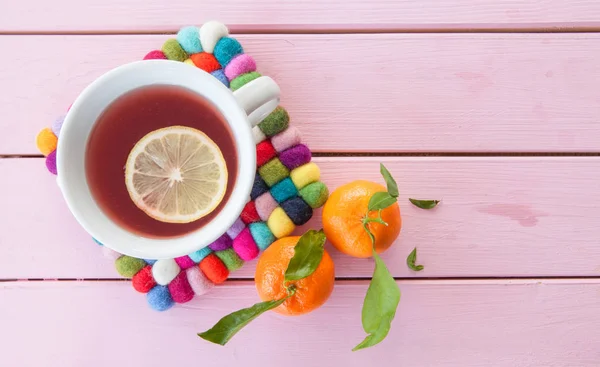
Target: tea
x=127 y=120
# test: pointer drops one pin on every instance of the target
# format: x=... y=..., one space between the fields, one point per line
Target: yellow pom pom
x=280 y=224
x=189 y=62
x=46 y=141
x=305 y=175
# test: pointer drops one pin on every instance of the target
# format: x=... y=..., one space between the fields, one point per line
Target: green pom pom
x=129 y=266
x=276 y=122
x=315 y=194
x=273 y=171
x=230 y=258
x=243 y=79
x=173 y=51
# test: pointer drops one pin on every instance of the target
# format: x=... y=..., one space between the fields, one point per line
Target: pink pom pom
x=180 y=289
x=245 y=246
x=241 y=64
x=286 y=139
x=155 y=55
x=198 y=281
x=265 y=204
x=184 y=262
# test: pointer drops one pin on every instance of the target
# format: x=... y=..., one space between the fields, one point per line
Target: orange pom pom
x=46 y=141
x=205 y=61
x=214 y=269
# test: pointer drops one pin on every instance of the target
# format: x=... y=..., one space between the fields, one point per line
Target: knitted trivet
x=285 y=192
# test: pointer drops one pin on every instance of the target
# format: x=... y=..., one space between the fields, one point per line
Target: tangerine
x=311 y=292
x=343 y=216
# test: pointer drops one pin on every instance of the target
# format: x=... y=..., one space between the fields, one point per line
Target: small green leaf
x=308 y=253
x=381 y=200
x=392 y=186
x=379 y=307
x=411 y=259
x=229 y=325
x=424 y=204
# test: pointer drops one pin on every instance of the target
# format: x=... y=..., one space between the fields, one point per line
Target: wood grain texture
x=449 y=324
x=303 y=15
x=367 y=93
x=498 y=217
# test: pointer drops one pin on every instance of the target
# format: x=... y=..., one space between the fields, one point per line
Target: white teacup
x=241 y=109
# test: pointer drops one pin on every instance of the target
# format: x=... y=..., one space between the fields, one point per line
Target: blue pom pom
x=298 y=210
x=219 y=74
x=189 y=39
x=226 y=49
x=149 y=262
x=200 y=254
x=262 y=235
x=284 y=190
x=159 y=298
x=259 y=187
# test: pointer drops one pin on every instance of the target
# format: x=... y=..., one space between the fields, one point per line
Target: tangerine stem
x=291 y=289
x=379 y=220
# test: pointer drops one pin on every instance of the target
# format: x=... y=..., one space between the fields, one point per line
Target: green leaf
x=424 y=204
x=369 y=233
x=379 y=307
x=381 y=200
x=411 y=259
x=392 y=186
x=229 y=325
x=308 y=253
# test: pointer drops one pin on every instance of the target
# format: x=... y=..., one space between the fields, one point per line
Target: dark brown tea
x=127 y=120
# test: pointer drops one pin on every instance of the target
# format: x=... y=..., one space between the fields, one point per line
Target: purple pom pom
x=236 y=228
x=222 y=243
x=51 y=162
x=57 y=125
x=296 y=156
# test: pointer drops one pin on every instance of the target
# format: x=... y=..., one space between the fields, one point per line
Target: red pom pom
x=249 y=214
x=264 y=152
x=143 y=280
x=205 y=61
x=180 y=289
x=214 y=269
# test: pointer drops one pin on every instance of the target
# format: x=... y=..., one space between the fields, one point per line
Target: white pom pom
x=258 y=135
x=164 y=271
x=198 y=281
x=210 y=33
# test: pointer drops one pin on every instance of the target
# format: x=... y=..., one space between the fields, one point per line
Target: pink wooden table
x=491 y=106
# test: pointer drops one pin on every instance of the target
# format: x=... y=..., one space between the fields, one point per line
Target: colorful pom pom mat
x=287 y=186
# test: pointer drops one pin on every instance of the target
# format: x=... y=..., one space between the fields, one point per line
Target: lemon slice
x=176 y=174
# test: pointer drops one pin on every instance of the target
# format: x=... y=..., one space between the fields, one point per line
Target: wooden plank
x=304 y=15
x=368 y=93
x=499 y=217
x=476 y=323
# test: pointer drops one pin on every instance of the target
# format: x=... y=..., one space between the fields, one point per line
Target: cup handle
x=258 y=98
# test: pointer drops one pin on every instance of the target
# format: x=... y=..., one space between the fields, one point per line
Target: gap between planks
x=337 y=29
x=232 y=281
x=404 y=154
